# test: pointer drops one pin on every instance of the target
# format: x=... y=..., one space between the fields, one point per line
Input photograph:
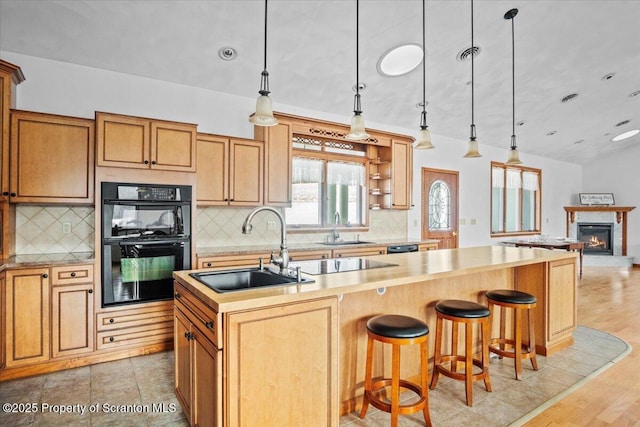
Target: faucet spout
x=336 y=220
x=283 y=259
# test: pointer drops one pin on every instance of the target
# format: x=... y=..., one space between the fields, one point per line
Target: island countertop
x=411 y=267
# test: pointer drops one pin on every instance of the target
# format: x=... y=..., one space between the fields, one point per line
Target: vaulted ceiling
x=590 y=48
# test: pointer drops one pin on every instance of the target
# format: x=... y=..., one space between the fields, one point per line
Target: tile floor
x=145 y=384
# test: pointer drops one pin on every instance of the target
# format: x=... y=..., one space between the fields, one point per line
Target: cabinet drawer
x=200 y=314
x=144 y=317
x=141 y=335
x=251 y=260
x=70 y=274
x=350 y=252
x=305 y=255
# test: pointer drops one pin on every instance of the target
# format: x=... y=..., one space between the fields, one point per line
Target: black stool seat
x=462 y=309
x=397 y=326
x=511 y=297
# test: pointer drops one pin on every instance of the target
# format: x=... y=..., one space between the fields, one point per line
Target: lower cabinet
x=2 y=321
x=198 y=368
x=27 y=316
x=137 y=326
x=49 y=313
x=363 y=251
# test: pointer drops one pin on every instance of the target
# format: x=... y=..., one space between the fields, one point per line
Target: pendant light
x=472 y=150
x=357 y=131
x=264 y=111
x=514 y=157
x=424 y=135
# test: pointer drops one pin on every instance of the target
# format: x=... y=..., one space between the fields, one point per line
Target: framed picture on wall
x=596 y=199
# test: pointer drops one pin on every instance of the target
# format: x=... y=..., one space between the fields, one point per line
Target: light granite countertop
x=36 y=260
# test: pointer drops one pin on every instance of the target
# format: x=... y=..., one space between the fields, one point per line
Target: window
x=328 y=178
x=515 y=199
x=439 y=206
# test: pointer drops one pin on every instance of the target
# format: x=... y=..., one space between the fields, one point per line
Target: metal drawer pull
x=209 y=325
x=111 y=320
x=73 y=274
x=111 y=339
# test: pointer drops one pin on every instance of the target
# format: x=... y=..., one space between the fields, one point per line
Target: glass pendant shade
x=472 y=150
x=424 y=139
x=264 y=112
x=514 y=157
x=357 y=131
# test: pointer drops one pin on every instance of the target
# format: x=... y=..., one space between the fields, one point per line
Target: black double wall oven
x=146 y=235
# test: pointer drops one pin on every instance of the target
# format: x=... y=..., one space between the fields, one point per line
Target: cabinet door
x=173 y=146
x=2 y=322
x=286 y=354
x=562 y=298
x=277 y=161
x=27 y=316
x=206 y=403
x=52 y=158
x=72 y=319
x=123 y=141
x=401 y=174
x=212 y=171
x=246 y=166
x=5 y=106
x=182 y=360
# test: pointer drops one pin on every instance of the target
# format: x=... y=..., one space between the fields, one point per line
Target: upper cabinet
x=230 y=171
x=52 y=158
x=140 y=143
x=277 y=162
x=10 y=76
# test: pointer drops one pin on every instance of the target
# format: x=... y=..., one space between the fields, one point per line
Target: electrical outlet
x=271 y=225
x=462 y=221
x=473 y=221
x=66 y=227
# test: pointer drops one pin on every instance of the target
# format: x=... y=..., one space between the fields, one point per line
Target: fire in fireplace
x=598 y=238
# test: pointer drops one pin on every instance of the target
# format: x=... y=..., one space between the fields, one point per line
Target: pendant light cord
x=424 y=55
x=473 y=53
x=513 y=79
x=265 y=35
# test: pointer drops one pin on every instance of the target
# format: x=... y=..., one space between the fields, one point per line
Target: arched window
x=439 y=206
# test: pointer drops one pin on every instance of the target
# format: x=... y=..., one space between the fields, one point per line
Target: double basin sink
x=244 y=279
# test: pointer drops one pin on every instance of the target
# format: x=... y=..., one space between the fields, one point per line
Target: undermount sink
x=238 y=280
x=345 y=242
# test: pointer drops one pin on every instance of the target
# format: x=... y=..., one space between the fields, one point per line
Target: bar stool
x=396 y=330
x=518 y=301
x=467 y=313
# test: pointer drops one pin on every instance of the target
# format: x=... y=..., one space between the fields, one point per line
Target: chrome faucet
x=282 y=260
x=336 y=219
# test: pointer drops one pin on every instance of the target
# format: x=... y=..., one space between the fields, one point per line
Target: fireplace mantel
x=621 y=217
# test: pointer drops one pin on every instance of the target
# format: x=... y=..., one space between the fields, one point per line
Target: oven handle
x=149 y=242
x=147 y=202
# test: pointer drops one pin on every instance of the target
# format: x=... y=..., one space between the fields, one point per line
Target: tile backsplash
x=54 y=229
x=216 y=226
x=62 y=229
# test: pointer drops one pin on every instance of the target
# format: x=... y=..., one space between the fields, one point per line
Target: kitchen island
x=294 y=355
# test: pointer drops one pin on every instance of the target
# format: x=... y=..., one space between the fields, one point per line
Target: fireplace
x=598 y=238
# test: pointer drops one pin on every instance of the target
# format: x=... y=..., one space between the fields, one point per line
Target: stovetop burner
x=338 y=265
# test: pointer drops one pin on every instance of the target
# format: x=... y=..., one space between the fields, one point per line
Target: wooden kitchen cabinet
x=292 y=344
x=2 y=322
x=219 y=261
x=427 y=246
x=10 y=76
x=277 y=160
x=198 y=368
x=136 y=326
x=306 y=255
x=230 y=171
x=27 y=316
x=357 y=252
x=72 y=302
x=142 y=143
x=52 y=159
x=401 y=174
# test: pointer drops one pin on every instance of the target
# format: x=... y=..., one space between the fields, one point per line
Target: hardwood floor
x=608 y=300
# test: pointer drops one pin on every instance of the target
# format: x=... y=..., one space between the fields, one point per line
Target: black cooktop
x=338 y=265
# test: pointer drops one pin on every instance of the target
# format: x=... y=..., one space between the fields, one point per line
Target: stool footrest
x=526 y=351
x=447 y=359
x=402 y=409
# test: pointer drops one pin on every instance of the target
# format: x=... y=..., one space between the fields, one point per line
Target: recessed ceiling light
x=227 y=53
x=636 y=93
x=400 y=60
x=625 y=135
x=580 y=141
x=569 y=97
x=608 y=76
x=551 y=133
x=622 y=123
